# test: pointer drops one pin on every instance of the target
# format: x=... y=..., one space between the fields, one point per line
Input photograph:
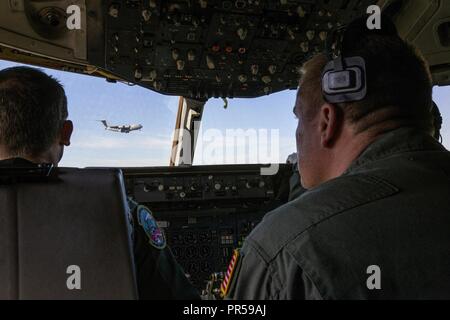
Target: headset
x=344 y=79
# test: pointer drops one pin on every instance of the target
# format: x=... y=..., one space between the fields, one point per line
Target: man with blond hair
x=374 y=221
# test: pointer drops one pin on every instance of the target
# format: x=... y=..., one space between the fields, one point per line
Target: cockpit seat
x=65 y=235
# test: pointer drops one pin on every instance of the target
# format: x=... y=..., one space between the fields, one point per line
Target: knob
x=148 y=188
x=180 y=65
x=242 y=78
x=114 y=11
x=175 y=54
x=146 y=15
x=304 y=46
x=138 y=74
x=210 y=62
x=157 y=85
x=301 y=12
x=272 y=69
x=266 y=79
x=191 y=55
x=255 y=69
x=310 y=34
x=153 y=74
x=242 y=33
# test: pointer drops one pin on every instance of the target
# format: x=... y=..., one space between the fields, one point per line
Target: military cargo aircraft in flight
x=122 y=129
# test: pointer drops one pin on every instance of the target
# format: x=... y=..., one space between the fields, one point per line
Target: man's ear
x=329 y=124
x=66 y=133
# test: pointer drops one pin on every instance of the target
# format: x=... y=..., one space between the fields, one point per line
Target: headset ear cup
x=344 y=80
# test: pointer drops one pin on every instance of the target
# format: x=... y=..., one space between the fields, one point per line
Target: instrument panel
x=202 y=49
x=206 y=212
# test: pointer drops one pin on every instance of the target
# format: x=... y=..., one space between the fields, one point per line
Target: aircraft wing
x=114 y=129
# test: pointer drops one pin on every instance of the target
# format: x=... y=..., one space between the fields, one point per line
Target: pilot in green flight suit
x=159 y=275
x=374 y=221
x=34 y=130
x=295 y=186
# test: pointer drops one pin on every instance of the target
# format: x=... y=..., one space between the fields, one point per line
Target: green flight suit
x=158 y=274
x=390 y=211
x=295 y=185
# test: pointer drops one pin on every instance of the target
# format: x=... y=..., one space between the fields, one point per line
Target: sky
x=259 y=130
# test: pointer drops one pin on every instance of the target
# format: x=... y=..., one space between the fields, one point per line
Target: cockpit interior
x=192 y=52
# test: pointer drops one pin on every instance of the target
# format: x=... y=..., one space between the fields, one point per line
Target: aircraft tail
x=104 y=123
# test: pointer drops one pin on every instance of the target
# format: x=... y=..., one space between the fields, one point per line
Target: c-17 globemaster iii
x=121 y=129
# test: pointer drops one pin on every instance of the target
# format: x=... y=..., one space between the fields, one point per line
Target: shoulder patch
x=229 y=276
x=154 y=233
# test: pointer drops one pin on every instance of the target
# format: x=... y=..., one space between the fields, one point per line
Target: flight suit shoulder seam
x=386 y=189
x=275 y=279
x=259 y=250
x=272 y=273
x=309 y=272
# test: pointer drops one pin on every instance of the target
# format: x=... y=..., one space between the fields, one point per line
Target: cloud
x=111 y=143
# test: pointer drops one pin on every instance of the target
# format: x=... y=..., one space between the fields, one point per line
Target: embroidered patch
x=155 y=234
x=228 y=280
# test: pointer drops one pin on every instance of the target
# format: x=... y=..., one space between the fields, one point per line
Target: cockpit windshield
x=225 y=132
x=237 y=131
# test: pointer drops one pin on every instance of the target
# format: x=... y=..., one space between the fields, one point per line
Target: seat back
x=66 y=238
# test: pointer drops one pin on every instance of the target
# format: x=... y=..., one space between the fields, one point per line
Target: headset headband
x=344 y=77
